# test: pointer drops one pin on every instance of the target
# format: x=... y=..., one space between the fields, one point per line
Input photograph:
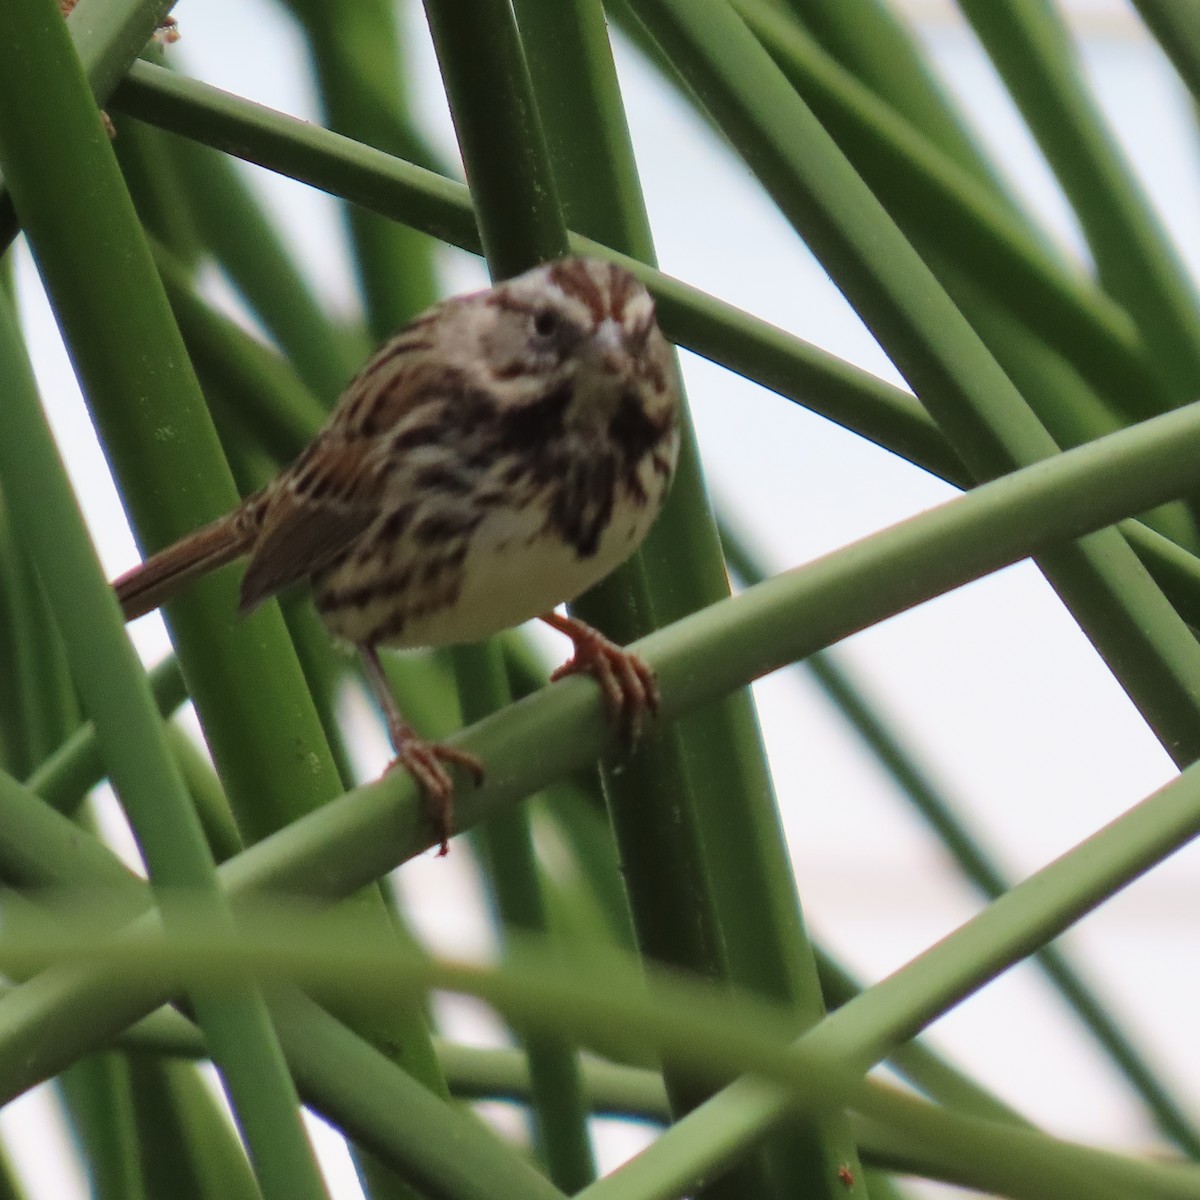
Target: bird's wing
x=324 y=503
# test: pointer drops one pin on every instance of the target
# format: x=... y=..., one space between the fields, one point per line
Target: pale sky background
x=996 y=674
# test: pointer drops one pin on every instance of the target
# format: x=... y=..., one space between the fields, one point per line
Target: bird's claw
x=629 y=686
x=423 y=760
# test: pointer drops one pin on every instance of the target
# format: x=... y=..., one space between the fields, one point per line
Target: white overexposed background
x=994 y=686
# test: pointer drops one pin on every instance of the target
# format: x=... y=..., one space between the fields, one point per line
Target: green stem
x=43 y=94
x=365 y=834
x=1032 y=50
x=1134 y=628
x=442 y=208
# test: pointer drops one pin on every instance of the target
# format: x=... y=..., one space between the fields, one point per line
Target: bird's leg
x=422 y=758
x=629 y=687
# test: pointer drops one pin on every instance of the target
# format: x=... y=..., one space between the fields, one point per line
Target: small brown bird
x=499 y=455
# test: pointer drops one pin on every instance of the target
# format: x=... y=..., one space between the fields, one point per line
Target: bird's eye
x=545 y=322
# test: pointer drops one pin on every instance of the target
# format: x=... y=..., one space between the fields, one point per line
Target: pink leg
x=422 y=759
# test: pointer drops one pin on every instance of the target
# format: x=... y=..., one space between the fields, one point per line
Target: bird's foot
x=629 y=686
x=424 y=760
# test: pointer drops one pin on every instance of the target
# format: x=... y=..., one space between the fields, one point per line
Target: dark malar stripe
x=531 y=427
x=632 y=430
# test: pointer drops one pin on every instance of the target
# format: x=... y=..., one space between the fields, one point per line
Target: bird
x=496 y=457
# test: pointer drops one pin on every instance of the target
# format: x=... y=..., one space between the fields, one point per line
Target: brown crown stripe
x=576 y=280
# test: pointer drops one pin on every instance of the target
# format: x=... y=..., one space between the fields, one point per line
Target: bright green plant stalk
x=875 y=44
x=1137 y=264
x=506 y=843
x=98 y=1098
x=977 y=866
x=158 y=192
x=250 y=251
x=47 y=710
x=915 y=1062
x=65 y=777
x=115 y=692
x=341 y=1076
x=357 y=838
x=238 y=364
x=1175 y=24
x=930 y=195
x=1129 y=621
x=1054 y=896
x=358 y=62
x=441 y=207
x=713 y=770
x=715 y=1032
x=769 y=356
x=520 y=224
x=186 y=1141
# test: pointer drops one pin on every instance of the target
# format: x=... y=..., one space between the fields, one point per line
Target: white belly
x=514 y=571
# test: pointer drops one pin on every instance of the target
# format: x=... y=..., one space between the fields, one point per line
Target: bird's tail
x=162 y=575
